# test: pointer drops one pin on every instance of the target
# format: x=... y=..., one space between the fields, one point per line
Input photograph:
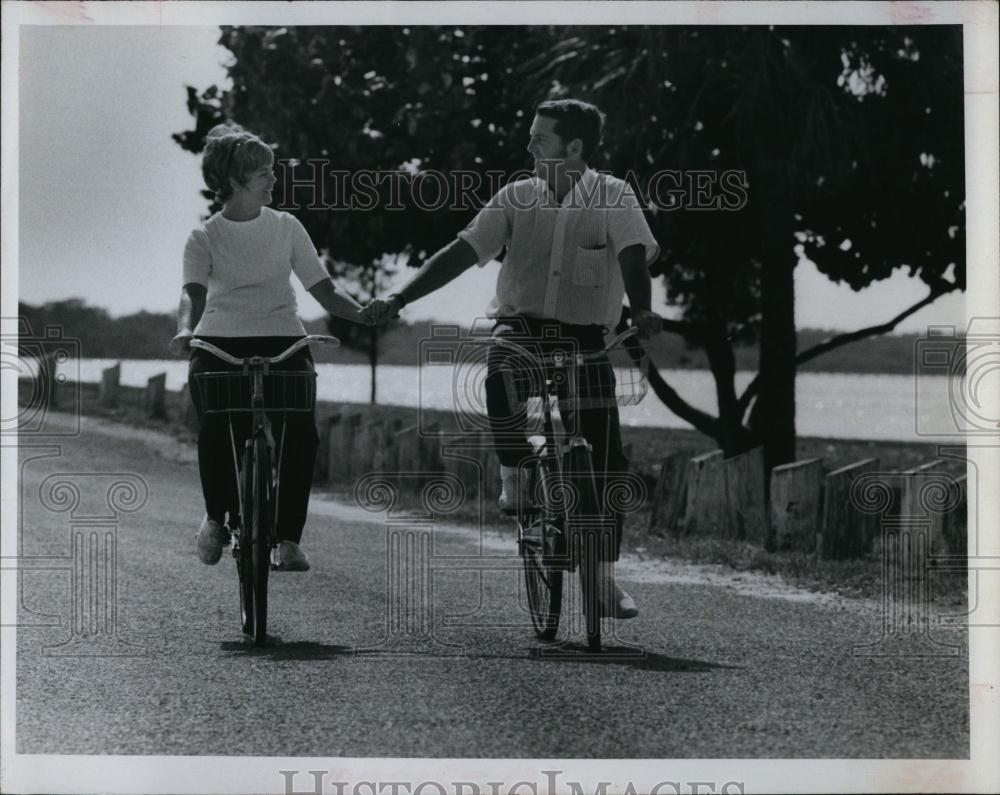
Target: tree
x=847 y=143
x=833 y=128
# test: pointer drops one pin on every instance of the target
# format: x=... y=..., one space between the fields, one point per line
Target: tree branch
x=701 y=421
x=689 y=331
x=840 y=340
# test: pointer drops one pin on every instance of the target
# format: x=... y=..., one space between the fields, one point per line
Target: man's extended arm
x=335 y=302
x=638 y=287
x=447 y=264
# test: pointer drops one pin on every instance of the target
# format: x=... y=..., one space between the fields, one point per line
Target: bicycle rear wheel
x=259 y=481
x=587 y=531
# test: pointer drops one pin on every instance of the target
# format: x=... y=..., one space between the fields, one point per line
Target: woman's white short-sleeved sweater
x=247 y=267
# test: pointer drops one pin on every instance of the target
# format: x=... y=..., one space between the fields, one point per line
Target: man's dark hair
x=575 y=119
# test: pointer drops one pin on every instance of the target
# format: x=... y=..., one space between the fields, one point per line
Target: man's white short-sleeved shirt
x=562 y=258
x=247 y=268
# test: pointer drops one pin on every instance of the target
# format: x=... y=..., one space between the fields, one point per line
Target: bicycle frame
x=558 y=442
x=254 y=535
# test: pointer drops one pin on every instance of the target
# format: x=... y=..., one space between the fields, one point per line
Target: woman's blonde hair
x=232 y=153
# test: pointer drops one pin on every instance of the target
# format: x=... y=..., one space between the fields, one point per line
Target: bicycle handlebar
x=557 y=358
x=234 y=360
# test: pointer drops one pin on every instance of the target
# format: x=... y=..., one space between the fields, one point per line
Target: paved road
x=708 y=670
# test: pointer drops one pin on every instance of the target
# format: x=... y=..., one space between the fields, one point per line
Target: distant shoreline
x=145 y=336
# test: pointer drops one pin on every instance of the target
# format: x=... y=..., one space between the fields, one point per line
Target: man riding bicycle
x=577 y=243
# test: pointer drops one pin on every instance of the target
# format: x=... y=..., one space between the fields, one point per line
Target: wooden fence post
x=407 y=447
x=47 y=378
x=325 y=428
x=846 y=532
x=456 y=461
x=110 y=378
x=368 y=454
x=156 y=397
x=955 y=530
x=745 y=502
x=704 y=510
x=430 y=450
x=389 y=460
x=670 y=493
x=909 y=501
x=796 y=500
x=343 y=429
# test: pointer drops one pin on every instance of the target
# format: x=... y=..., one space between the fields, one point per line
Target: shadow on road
x=297 y=650
x=626 y=656
x=575 y=653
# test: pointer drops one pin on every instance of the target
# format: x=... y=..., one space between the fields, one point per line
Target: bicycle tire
x=244 y=550
x=260 y=534
x=542 y=580
x=586 y=522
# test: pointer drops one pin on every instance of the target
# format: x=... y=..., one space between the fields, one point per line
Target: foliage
x=143 y=335
x=851 y=143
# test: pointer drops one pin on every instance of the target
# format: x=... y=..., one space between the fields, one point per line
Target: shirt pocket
x=591 y=267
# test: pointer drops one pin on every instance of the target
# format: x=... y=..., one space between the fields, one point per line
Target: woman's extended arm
x=337 y=303
x=189 y=312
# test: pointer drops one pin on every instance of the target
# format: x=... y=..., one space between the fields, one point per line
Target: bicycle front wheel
x=259 y=481
x=588 y=532
x=542 y=579
x=243 y=548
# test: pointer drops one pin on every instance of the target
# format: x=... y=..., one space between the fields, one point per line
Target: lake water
x=836 y=405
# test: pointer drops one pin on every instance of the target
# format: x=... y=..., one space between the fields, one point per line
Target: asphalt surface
x=365 y=661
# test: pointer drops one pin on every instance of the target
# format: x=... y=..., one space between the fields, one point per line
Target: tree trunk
x=731 y=436
x=773 y=415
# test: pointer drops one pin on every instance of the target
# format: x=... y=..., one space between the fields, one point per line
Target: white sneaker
x=622 y=605
x=212 y=537
x=513 y=490
x=288 y=556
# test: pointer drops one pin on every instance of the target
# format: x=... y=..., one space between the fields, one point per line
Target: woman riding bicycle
x=238 y=295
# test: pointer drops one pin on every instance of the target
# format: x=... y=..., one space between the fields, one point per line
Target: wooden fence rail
x=708 y=495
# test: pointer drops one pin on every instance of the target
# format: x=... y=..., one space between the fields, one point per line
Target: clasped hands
x=648 y=323
x=381 y=310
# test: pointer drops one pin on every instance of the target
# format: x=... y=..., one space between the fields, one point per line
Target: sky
x=107 y=199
